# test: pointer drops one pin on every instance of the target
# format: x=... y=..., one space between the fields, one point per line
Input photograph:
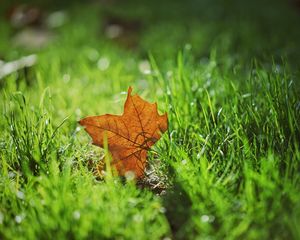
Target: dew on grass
x=144 y=67
x=188 y=46
x=20 y=194
x=11 y=174
x=19 y=218
x=132 y=202
x=103 y=63
x=160 y=92
x=138 y=218
x=78 y=112
x=207 y=218
x=204 y=218
x=211 y=218
x=93 y=54
x=246 y=95
x=169 y=74
x=208 y=82
x=32 y=202
x=212 y=93
x=56 y=19
x=228 y=129
x=277 y=69
x=195 y=87
x=66 y=78
x=76 y=214
x=169 y=93
x=113 y=31
x=167 y=238
x=162 y=210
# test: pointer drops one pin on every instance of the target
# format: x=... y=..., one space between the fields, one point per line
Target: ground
x=227 y=74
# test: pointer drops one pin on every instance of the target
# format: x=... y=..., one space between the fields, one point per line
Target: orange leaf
x=130 y=135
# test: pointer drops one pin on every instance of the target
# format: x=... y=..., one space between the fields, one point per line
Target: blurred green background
x=225 y=71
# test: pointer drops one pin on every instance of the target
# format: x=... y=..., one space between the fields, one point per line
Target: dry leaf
x=130 y=135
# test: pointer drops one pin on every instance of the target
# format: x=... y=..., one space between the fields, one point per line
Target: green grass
x=228 y=76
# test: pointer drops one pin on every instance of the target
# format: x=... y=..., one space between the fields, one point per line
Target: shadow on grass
x=178 y=209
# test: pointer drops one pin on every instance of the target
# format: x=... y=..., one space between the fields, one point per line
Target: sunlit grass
x=230 y=156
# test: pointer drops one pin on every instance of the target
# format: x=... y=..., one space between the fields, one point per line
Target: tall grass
x=229 y=160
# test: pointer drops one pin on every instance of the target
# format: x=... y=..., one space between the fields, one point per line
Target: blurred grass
x=226 y=72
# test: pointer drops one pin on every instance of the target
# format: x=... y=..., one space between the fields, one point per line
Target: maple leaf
x=129 y=136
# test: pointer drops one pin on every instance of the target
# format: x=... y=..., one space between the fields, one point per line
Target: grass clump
x=229 y=162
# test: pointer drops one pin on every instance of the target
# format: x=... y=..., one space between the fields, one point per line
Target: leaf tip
x=81 y=122
x=129 y=90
